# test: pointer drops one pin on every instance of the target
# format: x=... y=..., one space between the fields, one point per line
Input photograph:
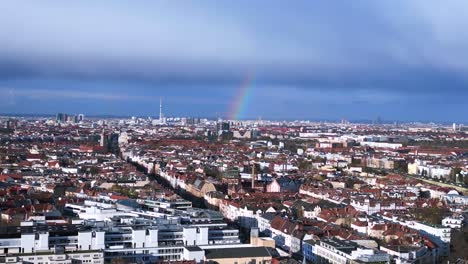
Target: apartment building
x=93 y=242
x=337 y=251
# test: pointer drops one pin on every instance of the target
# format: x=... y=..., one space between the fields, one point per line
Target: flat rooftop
x=240 y=252
x=16 y=231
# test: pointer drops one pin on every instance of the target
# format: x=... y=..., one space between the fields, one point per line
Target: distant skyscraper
x=454 y=126
x=80 y=117
x=223 y=126
x=378 y=121
x=10 y=124
x=61 y=118
x=103 y=141
x=192 y=121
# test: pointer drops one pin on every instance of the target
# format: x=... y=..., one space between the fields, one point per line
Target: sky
x=318 y=60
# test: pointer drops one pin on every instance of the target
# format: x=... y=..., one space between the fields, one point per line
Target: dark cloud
x=393 y=49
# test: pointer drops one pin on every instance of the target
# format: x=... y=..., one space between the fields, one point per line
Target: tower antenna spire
x=160 y=111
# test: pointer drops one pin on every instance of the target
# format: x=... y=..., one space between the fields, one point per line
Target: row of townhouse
x=287 y=234
x=174 y=180
x=439 y=234
x=375 y=206
x=245 y=216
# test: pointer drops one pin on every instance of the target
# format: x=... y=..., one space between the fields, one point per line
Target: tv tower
x=161 y=117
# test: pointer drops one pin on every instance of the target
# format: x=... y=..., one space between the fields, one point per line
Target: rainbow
x=238 y=107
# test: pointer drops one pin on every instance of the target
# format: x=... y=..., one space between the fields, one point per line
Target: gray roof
x=194 y=248
x=269 y=216
x=345 y=246
x=247 y=252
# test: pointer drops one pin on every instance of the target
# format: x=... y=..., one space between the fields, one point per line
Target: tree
x=350 y=183
x=460 y=178
x=432 y=215
x=454 y=173
x=319 y=159
x=401 y=166
x=212 y=171
x=190 y=168
x=300 y=212
x=291 y=145
x=129 y=192
x=304 y=165
x=94 y=170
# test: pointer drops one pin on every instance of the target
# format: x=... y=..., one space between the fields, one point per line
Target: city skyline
x=375 y=121
x=323 y=61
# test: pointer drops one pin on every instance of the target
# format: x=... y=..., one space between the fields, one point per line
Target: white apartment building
x=409 y=254
x=170 y=206
x=93 y=242
x=337 y=251
x=456 y=198
x=453 y=222
x=387 y=145
x=371 y=207
x=421 y=167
